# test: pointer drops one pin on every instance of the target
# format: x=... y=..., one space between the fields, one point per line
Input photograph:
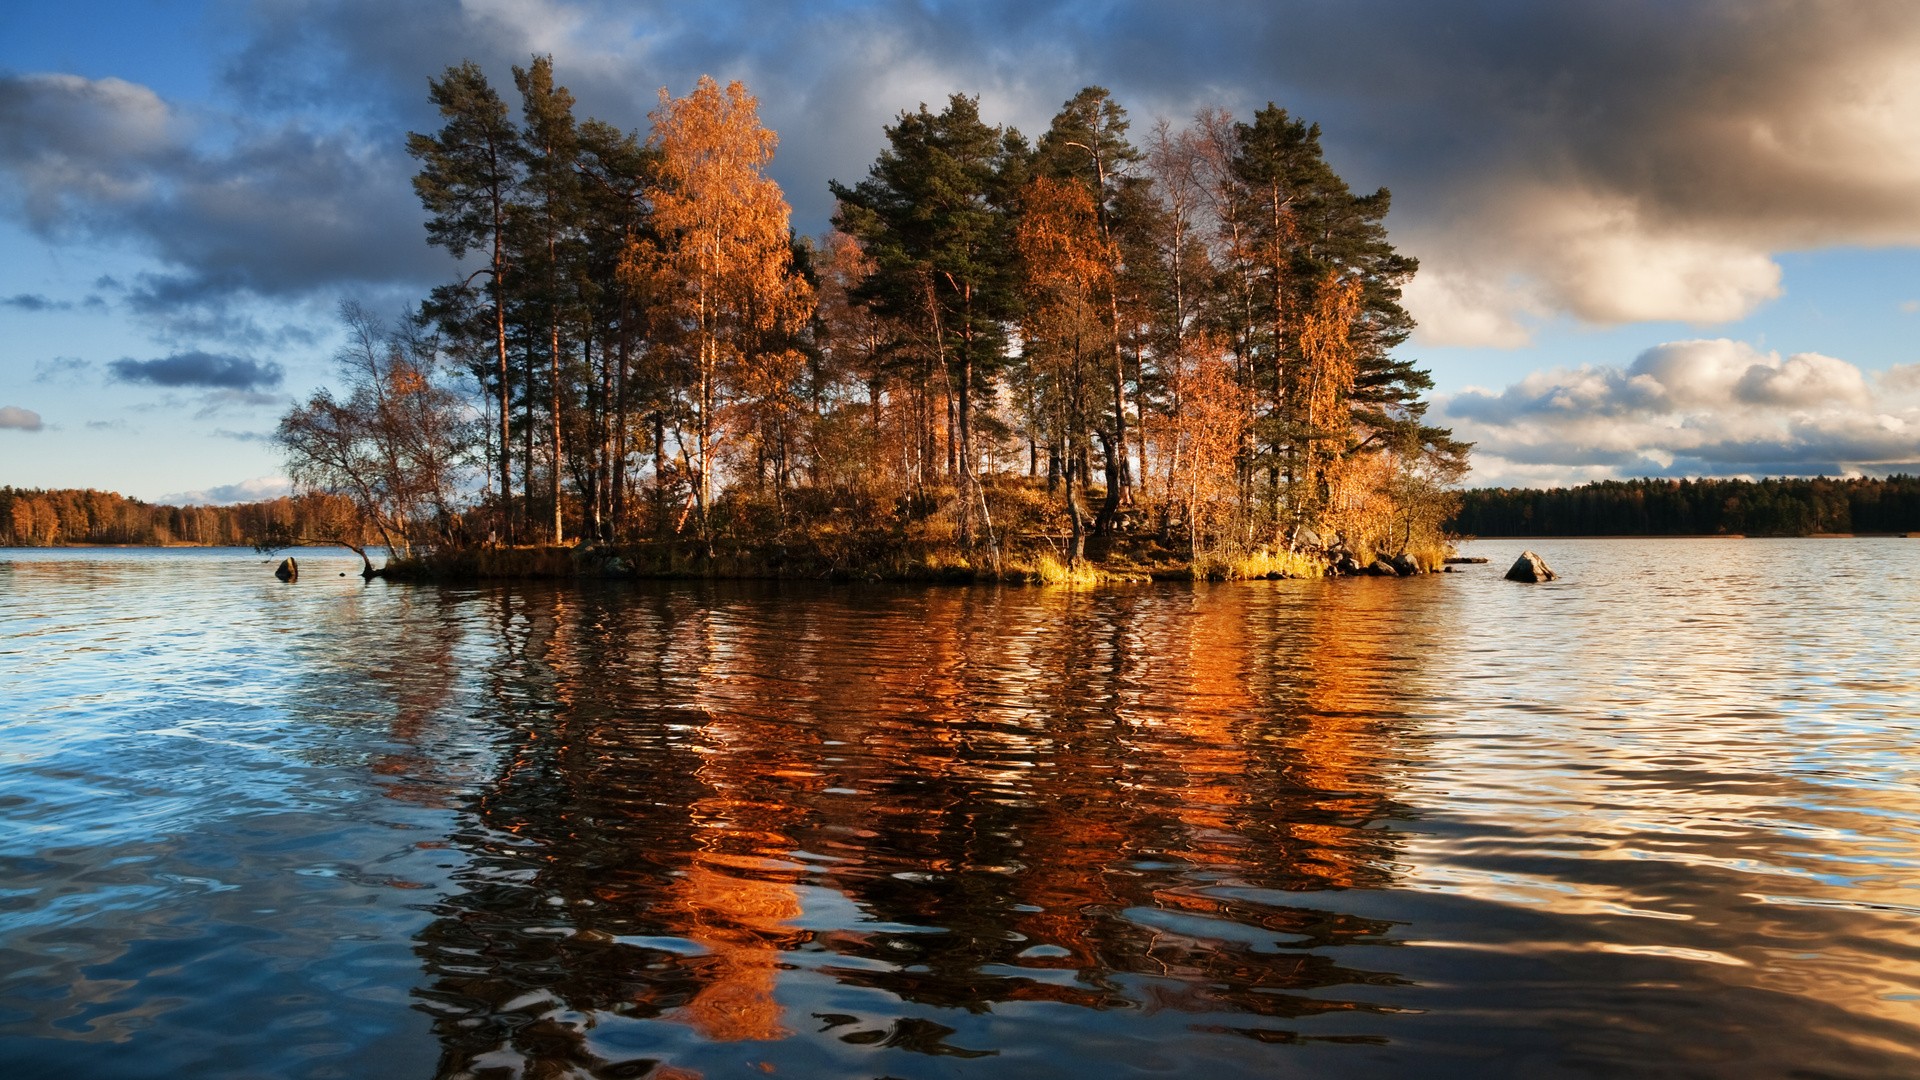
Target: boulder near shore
x=1530 y=568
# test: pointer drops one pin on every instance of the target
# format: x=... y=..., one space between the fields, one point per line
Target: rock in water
x=288 y=570
x=1530 y=567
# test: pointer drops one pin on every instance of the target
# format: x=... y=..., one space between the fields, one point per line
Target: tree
x=468 y=181
x=1087 y=144
x=615 y=173
x=397 y=445
x=1068 y=272
x=1205 y=435
x=550 y=149
x=721 y=262
x=934 y=216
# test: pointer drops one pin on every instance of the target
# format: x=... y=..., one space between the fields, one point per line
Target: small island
x=1078 y=358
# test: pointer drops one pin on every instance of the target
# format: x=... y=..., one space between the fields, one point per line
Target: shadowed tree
x=615 y=187
x=468 y=181
x=550 y=148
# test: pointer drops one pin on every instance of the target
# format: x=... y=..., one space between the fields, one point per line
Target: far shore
x=1696 y=536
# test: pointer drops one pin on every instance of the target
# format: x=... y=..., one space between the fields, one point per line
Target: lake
x=1659 y=818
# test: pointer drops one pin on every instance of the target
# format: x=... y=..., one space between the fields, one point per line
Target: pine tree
x=934 y=215
x=550 y=150
x=1087 y=144
x=469 y=182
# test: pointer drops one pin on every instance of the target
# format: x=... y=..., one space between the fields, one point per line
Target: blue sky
x=1672 y=238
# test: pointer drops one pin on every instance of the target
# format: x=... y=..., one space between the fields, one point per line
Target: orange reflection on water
x=1025 y=796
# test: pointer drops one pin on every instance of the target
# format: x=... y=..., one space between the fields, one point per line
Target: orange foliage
x=1204 y=436
x=721 y=273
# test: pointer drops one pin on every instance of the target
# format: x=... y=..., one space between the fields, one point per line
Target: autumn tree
x=1203 y=437
x=1067 y=270
x=397 y=445
x=720 y=266
x=1318 y=385
x=1087 y=145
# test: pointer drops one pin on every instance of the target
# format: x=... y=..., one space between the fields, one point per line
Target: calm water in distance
x=1661 y=818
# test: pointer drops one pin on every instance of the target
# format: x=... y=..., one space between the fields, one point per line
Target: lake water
x=1660 y=818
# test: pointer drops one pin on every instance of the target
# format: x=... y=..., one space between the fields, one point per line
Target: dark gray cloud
x=15 y=418
x=211 y=371
x=1612 y=161
x=243 y=436
x=223 y=402
x=33 y=302
x=260 y=209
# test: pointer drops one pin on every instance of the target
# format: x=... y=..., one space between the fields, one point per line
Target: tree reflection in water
x=821 y=821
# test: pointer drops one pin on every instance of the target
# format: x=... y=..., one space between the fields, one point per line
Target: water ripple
x=1656 y=818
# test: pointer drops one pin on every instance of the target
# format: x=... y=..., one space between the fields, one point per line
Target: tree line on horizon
x=1781 y=506
x=1083 y=337
x=52 y=517
x=1785 y=506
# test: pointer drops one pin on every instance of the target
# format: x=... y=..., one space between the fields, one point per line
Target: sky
x=1657 y=237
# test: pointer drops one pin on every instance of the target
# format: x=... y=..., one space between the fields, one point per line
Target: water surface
x=1661 y=817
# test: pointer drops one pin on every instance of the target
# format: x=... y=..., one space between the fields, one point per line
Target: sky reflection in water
x=1642 y=820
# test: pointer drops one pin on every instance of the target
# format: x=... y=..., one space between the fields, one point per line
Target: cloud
x=1702 y=407
x=231 y=206
x=33 y=302
x=221 y=402
x=258 y=489
x=1587 y=159
x=18 y=419
x=1607 y=162
x=244 y=436
x=63 y=371
x=208 y=370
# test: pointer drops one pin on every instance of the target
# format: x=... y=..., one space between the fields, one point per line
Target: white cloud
x=1460 y=305
x=258 y=489
x=1704 y=407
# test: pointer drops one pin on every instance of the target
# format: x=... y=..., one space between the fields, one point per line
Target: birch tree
x=722 y=261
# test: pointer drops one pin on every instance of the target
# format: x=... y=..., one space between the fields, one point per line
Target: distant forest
x=35 y=518
x=1781 y=507
x=1777 y=507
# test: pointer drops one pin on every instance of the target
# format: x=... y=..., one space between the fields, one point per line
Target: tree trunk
x=526 y=465
x=619 y=454
x=1076 y=516
x=506 y=394
x=1109 y=506
x=553 y=415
